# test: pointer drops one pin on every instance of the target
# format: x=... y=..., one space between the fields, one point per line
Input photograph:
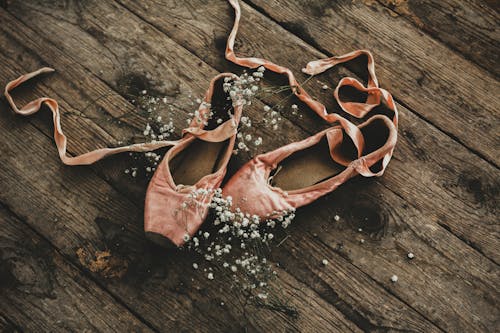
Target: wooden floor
x=438 y=198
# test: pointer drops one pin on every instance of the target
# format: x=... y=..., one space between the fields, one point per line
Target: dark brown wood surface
x=438 y=198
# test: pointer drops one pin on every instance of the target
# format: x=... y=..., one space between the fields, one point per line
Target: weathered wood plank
x=469 y=27
x=424 y=75
x=93 y=236
x=182 y=274
x=458 y=305
x=7 y=326
x=382 y=278
x=439 y=180
x=40 y=291
x=433 y=282
x=102 y=219
x=161 y=287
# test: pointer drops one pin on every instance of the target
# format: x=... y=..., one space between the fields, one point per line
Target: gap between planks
x=77 y=267
x=452 y=137
x=327 y=53
x=455 y=235
x=402 y=10
x=45 y=135
x=448 y=230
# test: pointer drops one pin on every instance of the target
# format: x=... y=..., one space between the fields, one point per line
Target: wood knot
x=133 y=86
x=483 y=191
x=369 y=219
x=103 y=263
x=28 y=269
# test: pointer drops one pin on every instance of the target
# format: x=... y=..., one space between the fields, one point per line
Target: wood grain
x=469 y=27
x=444 y=264
x=40 y=291
x=427 y=77
x=376 y=232
x=7 y=326
x=156 y=280
x=430 y=177
x=183 y=270
x=92 y=230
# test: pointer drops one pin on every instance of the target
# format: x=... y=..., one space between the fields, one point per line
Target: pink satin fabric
x=170 y=209
x=166 y=211
x=249 y=186
x=252 y=193
x=59 y=137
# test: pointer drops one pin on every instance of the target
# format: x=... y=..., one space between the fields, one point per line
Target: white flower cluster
x=295 y=111
x=153 y=159
x=202 y=117
x=244 y=140
x=242 y=89
x=197 y=199
x=163 y=130
x=153 y=105
x=156 y=129
x=131 y=171
x=240 y=242
x=272 y=117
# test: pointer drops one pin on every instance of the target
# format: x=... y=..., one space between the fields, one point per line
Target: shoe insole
x=199 y=159
x=306 y=167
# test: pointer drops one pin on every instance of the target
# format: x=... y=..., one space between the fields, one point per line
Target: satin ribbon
x=220 y=133
x=375 y=97
x=359 y=110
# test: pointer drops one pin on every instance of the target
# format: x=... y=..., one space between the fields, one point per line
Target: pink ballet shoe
x=319 y=164
x=182 y=187
x=311 y=168
x=178 y=195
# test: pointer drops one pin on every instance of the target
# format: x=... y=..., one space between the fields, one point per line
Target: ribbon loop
x=59 y=137
x=375 y=95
